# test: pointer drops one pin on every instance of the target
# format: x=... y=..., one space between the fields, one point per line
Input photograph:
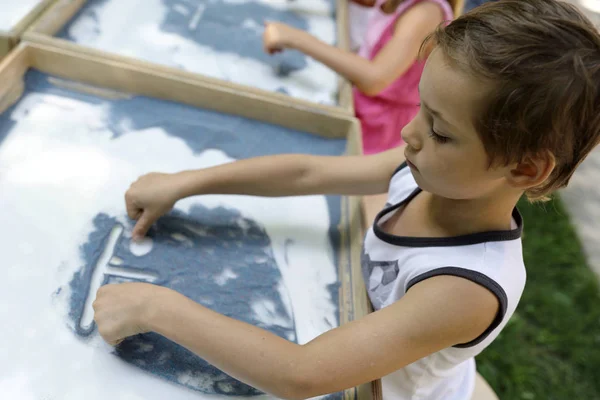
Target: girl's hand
x=123 y=310
x=276 y=37
x=149 y=198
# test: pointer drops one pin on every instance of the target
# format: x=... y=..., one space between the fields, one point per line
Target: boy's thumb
x=141 y=227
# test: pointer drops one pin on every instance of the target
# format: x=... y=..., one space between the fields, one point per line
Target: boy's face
x=444 y=151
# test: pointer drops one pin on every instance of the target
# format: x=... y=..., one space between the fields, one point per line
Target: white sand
x=132 y=28
x=59 y=168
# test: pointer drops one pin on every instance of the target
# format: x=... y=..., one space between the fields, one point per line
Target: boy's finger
x=132 y=211
x=141 y=227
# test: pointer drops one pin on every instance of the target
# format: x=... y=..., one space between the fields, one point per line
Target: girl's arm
x=436 y=313
x=370 y=77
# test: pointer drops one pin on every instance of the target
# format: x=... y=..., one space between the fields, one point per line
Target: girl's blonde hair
x=458 y=6
x=428 y=45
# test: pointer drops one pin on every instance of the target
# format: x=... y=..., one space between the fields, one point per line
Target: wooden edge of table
x=106 y=75
x=9 y=38
x=30 y=18
x=113 y=73
x=345 y=98
x=353 y=280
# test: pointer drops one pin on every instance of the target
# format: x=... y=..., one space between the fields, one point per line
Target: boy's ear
x=532 y=171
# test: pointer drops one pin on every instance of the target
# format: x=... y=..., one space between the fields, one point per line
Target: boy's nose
x=411 y=136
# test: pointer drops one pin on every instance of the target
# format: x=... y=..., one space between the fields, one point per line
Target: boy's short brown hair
x=542 y=58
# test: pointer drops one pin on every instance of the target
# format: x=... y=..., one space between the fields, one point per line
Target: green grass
x=550 y=349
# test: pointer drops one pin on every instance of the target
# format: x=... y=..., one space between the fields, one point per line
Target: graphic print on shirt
x=379 y=277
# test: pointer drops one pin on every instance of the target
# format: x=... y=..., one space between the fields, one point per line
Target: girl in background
x=386 y=70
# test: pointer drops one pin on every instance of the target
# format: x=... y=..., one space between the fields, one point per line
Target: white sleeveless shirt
x=392 y=264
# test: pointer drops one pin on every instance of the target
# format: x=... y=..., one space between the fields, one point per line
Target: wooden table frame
x=92 y=73
x=10 y=38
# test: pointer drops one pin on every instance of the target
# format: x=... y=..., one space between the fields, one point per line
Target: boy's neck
x=462 y=217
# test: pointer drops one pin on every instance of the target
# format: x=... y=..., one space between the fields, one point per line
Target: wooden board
x=10 y=35
x=109 y=75
x=63 y=11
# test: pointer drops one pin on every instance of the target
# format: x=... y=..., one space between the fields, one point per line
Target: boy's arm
x=154 y=194
x=296 y=174
x=436 y=313
x=370 y=77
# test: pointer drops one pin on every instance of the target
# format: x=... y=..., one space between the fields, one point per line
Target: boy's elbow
x=296 y=388
x=293 y=394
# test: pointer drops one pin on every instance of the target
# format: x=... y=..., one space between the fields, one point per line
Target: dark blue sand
x=214 y=238
x=222 y=28
x=207 y=241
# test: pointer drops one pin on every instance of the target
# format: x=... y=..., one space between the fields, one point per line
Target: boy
x=510 y=106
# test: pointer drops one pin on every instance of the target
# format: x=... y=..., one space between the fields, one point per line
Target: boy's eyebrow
x=435 y=113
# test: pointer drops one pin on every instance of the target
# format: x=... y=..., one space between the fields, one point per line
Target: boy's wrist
x=186 y=184
x=160 y=306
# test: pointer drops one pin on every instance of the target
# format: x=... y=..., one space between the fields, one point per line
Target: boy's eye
x=437 y=137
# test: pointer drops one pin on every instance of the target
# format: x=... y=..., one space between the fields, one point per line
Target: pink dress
x=383 y=116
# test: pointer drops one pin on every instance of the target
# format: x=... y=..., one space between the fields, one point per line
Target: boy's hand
x=276 y=37
x=148 y=198
x=123 y=310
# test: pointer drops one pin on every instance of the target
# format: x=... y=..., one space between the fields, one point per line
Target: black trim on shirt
x=480 y=279
x=400 y=168
x=463 y=240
